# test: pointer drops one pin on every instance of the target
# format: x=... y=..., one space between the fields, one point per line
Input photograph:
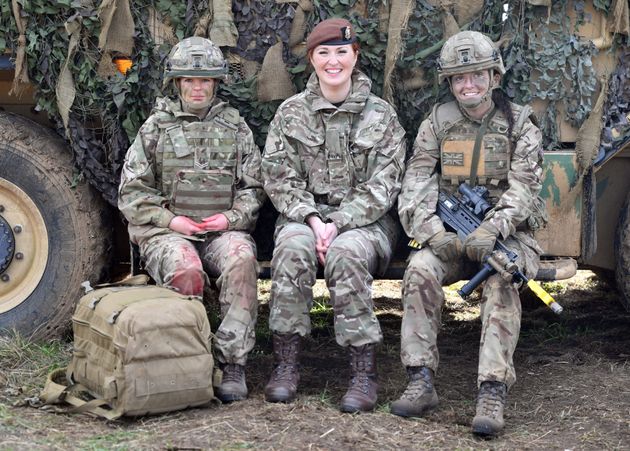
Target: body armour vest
x=198 y=164
x=456 y=136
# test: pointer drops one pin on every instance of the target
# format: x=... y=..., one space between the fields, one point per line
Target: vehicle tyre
x=622 y=254
x=53 y=233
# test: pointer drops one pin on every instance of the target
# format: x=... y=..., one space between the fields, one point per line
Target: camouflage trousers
x=351 y=261
x=231 y=258
x=500 y=311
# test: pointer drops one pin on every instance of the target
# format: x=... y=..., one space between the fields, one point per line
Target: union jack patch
x=453 y=159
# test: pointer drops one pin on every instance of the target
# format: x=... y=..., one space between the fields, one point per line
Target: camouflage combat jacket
x=342 y=163
x=181 y=165
x=441 y=160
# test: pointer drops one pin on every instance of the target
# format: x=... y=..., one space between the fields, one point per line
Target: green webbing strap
x=477 y=149
x=55 y=392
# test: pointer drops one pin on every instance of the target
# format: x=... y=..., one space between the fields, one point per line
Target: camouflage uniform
x=344 y=164
x=514 y=182
x=181 y=165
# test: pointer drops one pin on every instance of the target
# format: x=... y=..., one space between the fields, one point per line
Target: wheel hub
x=7 y=245
x=23 y=246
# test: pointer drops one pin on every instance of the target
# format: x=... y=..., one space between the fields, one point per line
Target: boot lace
x=491 y=398
x=285 y=356
x=419 y=384
x=232 y=373
x=360 y=382
x=284 y=372
x=362 y=370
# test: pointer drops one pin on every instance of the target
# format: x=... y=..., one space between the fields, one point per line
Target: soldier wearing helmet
x=483 y=139
x=191 y=191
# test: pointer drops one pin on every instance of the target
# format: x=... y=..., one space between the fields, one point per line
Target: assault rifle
x=464 y=214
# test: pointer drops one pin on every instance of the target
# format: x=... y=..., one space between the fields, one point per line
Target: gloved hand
x=480 y=243
x=446 y=245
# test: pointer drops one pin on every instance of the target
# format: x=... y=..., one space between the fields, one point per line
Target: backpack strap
x=58 y=391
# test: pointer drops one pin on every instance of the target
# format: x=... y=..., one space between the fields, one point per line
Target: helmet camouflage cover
x=468 y=51
x=195 y=57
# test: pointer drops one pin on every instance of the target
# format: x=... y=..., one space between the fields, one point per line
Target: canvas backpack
x=137 y=350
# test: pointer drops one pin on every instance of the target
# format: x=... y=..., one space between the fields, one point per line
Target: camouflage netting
x=67 y=50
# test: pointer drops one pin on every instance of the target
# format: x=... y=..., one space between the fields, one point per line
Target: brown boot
x=419 y=396
x=361 y=394
x=233 y=386
x=491 y=400
x=282 y=385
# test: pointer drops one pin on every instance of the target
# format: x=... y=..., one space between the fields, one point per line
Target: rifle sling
x=477 y=149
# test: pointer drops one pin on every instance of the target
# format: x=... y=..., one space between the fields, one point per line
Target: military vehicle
x=78 y=78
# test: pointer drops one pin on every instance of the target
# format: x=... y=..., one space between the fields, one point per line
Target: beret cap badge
x=335 y=31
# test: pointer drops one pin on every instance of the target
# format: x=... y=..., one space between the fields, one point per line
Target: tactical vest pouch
x=201 y=193
x=138 y=350
x=494 y=158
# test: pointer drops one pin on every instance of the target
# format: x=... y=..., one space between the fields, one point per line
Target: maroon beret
x=331 y=32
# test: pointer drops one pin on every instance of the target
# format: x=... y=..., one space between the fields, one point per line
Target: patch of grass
x=325 y=397
x=390 y=348
x=114 y=440
x=25 y=364
x=451 y=290
x=554 y=288
x=5 y=415
x=557 y=331
x=383 y=407
x=264 y=290
x=231 y=446
x=321 y=314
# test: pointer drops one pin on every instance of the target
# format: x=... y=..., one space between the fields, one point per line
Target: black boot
x=282 y=385
x=361 y=394
x=491 y=400
x=233 y=386
x=419 y=397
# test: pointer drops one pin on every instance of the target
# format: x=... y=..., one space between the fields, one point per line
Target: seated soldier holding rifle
x=485 y=140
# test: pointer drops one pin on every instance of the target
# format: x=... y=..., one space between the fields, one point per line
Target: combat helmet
x=195 y=57
x=468 y=51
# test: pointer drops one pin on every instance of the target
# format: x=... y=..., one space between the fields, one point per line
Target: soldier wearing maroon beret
x=332 y=166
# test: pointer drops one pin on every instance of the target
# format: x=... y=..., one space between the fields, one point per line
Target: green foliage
x=544 y=58
x=546 y=61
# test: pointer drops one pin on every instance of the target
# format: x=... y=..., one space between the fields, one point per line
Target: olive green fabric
x=141 y=350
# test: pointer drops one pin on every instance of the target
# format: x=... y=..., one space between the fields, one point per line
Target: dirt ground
x=572 y=393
